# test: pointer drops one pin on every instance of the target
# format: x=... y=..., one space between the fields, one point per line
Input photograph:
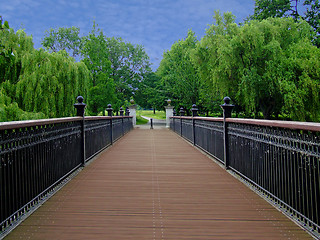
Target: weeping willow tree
x=37 y=84
x=50 y=83
x=12 y=47
x=269 y=68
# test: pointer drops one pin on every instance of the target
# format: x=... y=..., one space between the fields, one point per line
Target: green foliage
x=273 y=8
x=67 y=39
x=253 y=65
x=312 y=16
x=216 y=66
x=264 y=50
x=300 y=85
x=12 y=47
x=34 y=83
x=50 y=83
x=11 y=112
x=95 y=57
x=289 y=8
x=179 y=74
x=150 y=92
x=269 y=68
x=117 y=68
x=129 y=67
x=3 y=24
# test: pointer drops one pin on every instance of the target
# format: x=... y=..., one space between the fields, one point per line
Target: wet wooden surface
x=151 y=184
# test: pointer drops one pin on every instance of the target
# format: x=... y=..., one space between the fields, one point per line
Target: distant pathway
x=153 y=185
x=155 y=121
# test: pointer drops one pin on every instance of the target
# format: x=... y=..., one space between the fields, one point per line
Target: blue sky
x=155 y=24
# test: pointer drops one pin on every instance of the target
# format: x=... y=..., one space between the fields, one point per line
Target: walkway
x=153 y=185
x=157 y=123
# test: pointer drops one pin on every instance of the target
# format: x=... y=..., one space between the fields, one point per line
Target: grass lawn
x=141 y=120
x=149 y=113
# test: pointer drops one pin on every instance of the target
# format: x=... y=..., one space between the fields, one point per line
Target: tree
x=150 y=92
x=129 y=65
x=35 y=83
x=9 y=72
x=312 y=16
x=50 y=83
x=289 y=8
x=216 y=65
x=179 y=74
x=95 y=56
x=67 y=39
x=261 y=66
x=274 y=8
x=4 y=25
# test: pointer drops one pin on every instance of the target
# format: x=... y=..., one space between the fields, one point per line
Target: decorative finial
x=80 y=106
x=227 y=107
x=194 y=110
x=80 y=99
x=226 y=100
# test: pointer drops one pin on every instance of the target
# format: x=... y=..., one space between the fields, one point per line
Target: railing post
x=227 y=109
x=173 y=120
x=80 y=106
x=121 y=111
x=169 y=113
x=121 y=115
x=181 y=114
x=181 y=111
x=109 y=110
x=194 y=110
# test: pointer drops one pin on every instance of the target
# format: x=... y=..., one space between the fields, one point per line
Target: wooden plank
x=151 y=184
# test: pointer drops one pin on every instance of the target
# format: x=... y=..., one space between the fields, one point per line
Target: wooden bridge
x=152 y=184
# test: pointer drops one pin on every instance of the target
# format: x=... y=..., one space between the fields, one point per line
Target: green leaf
x=6 y=24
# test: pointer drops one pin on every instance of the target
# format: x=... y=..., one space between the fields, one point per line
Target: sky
x=154 y=24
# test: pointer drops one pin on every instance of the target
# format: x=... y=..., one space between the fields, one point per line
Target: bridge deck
x=153 y=185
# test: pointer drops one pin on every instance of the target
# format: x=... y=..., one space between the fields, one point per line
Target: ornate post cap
x=174 y=112
x=80 y=106
x=121 y=111
x=169 y=102
x=181 y=111
x=127 y=111
x=194 y=110
x=109 y=110
x=227 y=107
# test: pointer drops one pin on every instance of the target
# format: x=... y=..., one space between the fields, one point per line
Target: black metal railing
x=279 y=158
x=35 y=156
